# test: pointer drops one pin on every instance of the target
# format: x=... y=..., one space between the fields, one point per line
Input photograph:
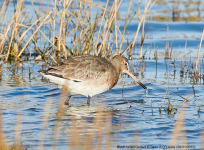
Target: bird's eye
x=126 y=63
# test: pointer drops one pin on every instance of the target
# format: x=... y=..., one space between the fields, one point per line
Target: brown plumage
x=88 y=75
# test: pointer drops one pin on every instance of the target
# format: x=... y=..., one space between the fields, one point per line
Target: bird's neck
x=114 y=77
x=116 y=67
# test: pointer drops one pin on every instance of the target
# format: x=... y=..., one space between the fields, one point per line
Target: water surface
x=26 y=96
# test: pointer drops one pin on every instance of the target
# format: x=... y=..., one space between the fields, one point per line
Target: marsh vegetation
x=165 y=52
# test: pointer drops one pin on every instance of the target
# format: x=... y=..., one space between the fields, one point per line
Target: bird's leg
x=88 y=101
x=67 y=100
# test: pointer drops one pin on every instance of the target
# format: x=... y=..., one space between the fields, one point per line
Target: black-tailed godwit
x=88 y=75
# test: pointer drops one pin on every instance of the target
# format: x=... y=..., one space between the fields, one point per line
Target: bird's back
x=84 y=75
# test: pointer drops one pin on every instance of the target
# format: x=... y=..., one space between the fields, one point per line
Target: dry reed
x=19 y=37
x=141 y=20
x=177 y=130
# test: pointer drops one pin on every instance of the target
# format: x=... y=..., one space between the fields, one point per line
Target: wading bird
x=88 y=75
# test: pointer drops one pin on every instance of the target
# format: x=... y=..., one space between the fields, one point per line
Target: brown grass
x=101 y=126
x=18 y=37
x=141 y=20
x=17 y=144
x=98 y=137
x=177 y=130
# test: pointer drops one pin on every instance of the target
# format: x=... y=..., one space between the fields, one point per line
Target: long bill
x=136 y=80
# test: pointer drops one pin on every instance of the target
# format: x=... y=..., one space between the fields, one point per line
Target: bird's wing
x=81 y=68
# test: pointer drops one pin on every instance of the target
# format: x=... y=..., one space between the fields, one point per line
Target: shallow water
x=140 y=125
x=27 y=97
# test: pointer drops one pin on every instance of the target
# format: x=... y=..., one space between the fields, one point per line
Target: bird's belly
x=86 y=88
x=79 y=87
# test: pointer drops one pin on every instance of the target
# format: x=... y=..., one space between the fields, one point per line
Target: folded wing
x=80 y=68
